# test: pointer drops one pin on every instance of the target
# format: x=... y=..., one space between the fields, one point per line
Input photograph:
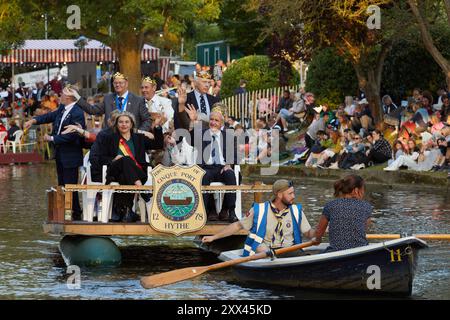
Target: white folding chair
x=16 y=142
x=218 y=197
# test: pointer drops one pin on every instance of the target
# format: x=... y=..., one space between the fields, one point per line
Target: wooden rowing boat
x=386 y=267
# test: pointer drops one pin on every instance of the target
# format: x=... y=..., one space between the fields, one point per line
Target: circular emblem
x=177 y=200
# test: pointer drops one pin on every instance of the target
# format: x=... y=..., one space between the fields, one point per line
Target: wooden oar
x=420 y=236
x=173 y=276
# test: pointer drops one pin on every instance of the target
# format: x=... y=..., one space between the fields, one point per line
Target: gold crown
x=218 y=108
x=203 y=75
x=119 y=75
x=149 y=80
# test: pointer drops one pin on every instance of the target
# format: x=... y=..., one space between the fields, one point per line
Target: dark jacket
x=181 y=118
x=106 y=148
x=68 y=147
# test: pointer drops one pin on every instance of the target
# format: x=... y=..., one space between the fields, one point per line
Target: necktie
x=215 y=150
x=59 y=121
x=202 y=104
x=120 y=104
x=279 y=228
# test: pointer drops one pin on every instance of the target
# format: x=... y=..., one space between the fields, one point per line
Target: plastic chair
x=3 y=146
x=218 y=197
x=16 y=142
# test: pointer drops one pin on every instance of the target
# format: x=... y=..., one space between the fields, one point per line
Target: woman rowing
x=347 y=216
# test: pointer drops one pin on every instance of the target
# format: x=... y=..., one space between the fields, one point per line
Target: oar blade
x=170 y=277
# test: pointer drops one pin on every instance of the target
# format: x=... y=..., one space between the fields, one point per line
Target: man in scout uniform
x=157 y=106
x=272 y=224
x=121 y=100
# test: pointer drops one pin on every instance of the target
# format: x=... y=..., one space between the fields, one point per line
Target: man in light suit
x=121 y=100
x=69 y=153
x=156 y=105
x=199 y=98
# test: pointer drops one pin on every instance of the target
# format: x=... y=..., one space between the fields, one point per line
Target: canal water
x=32 y=268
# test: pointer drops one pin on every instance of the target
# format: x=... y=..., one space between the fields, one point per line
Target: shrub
x=330 y=78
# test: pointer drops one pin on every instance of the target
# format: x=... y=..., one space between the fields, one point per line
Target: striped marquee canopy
x=60 y=51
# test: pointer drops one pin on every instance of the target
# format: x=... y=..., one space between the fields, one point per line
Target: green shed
x=209 y=52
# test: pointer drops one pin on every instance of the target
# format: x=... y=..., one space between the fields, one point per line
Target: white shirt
x=218 y=137
x=197 y=96
x=66 y=112
x=161 y=105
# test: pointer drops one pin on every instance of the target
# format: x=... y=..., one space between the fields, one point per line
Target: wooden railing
x=245 y=107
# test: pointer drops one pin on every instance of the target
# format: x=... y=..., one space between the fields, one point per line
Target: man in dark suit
x=218 y=153
x=69 y=153
x=199 y=98
x=121 y=100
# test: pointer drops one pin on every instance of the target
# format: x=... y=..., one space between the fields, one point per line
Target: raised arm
x=97 y=109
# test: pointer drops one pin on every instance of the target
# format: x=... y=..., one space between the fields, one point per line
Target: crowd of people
x=414 y=135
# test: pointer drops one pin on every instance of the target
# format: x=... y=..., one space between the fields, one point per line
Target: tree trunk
x=129 y=54
x=369 y=78
x=428 y=40
x=371 y=88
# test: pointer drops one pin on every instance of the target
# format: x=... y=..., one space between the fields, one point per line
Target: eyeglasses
x=290 y=184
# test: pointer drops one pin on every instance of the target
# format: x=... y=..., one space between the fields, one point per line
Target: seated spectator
x=427 y=102
x=362 y=121
x=352 y=155
x=420 y=118
x=322 y=143
x=398 y=150
x=123 y=152
x=349 y=107
x=13 y=127
x=316 y=125
x=285 y=101
x=425 y=160
x=330 y=154
x=436 y=125
x=381 y=150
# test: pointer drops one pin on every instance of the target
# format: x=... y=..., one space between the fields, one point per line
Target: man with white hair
x=69 y=153
x=199 y=99
x=157 y=106
x=216 y=155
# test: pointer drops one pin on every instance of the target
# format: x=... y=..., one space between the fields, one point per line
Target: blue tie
x=120 y=104
x=202 y=104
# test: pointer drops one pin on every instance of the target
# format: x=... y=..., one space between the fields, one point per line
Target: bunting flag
x=60 y=51
x=164 y=68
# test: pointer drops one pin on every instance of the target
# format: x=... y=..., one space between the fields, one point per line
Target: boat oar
x=420 y=236
x=173 y=276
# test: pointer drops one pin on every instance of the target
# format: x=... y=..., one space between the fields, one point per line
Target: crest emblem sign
x=177 y=205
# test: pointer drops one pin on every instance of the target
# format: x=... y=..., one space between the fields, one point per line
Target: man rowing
x=272 y=224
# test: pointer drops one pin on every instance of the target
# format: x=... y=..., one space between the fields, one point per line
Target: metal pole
x=109 y=63
x=46 y=37
x=12 y=84
x=182 y=48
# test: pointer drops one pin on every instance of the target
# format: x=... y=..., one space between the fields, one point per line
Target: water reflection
x=31 y=266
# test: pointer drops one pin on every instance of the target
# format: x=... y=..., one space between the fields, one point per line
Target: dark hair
x=347 y=184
